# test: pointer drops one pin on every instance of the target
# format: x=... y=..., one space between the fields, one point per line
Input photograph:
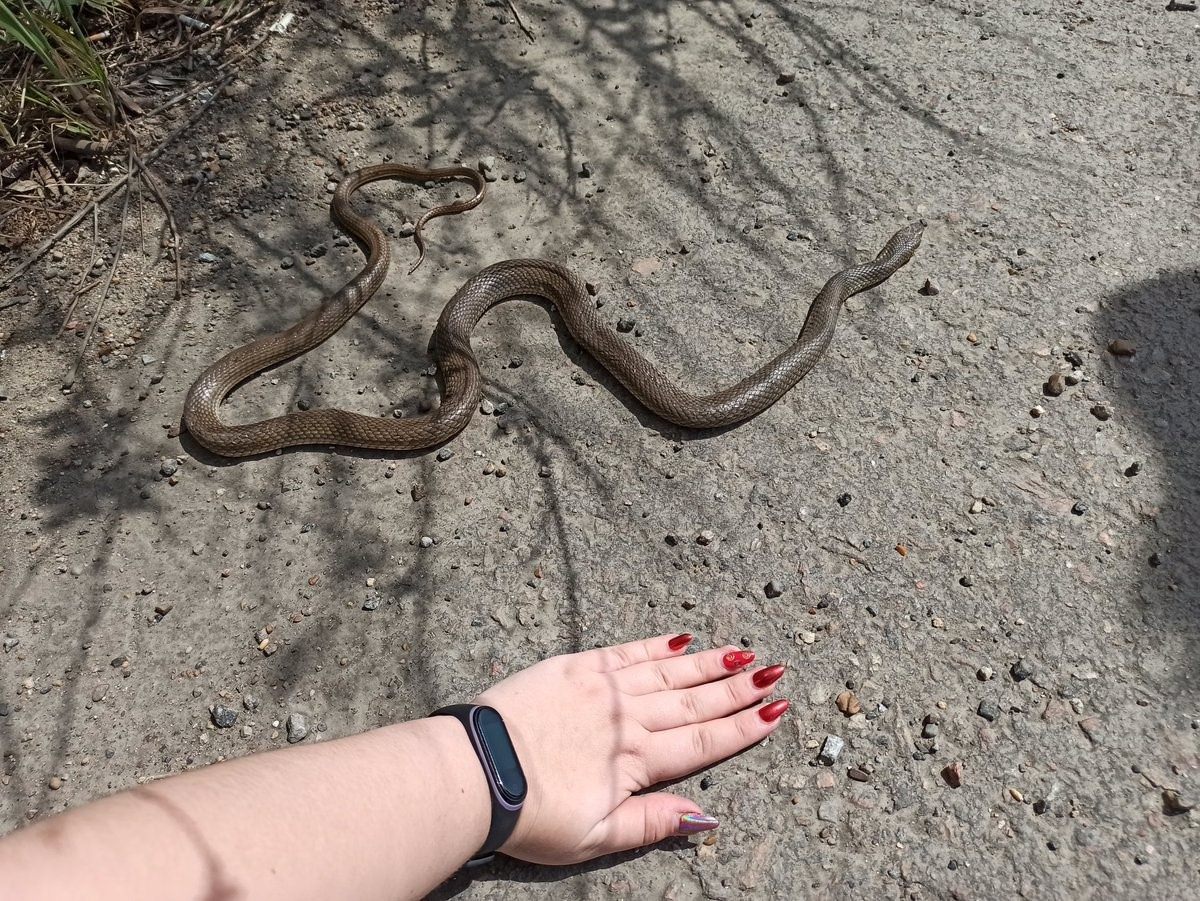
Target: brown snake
x=458 y=370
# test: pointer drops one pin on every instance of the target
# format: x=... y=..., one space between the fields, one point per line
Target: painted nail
x=735 y=660
x=679 y=642
x=769 y=713
x=768 y=676
x=691 y=823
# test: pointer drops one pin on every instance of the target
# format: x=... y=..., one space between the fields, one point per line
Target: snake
x=458 y=372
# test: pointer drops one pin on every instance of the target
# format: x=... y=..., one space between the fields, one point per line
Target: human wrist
x=465 y=787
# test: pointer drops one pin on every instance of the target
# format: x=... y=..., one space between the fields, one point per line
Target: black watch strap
x=505 y=778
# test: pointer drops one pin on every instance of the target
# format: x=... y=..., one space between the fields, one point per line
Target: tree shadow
x=1155 y=392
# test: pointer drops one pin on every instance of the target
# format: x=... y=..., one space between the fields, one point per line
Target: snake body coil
x=458 y=370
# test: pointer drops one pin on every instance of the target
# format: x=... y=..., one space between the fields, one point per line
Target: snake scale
x=457 y=368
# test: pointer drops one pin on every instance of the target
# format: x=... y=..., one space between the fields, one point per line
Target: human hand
x=592 y=729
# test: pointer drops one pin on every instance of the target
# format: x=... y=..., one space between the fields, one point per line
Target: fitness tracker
x=505 y=778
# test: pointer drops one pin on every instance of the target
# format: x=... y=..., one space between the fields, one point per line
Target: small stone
x=953 y=773
x=706 y=783
x=773 y=589
x=858 y=775
x=520 y=175
x=989 y=710
x=426 y=541
x=1101 y=412
x=544 y=472
x=250 y=702
x=585 y=170
x=844 y=499
x=487 y=408
x=444 y=454
x=287 y=263
x=808 y=637
x=785 y=78
x=99 y=692
x=1079 y=508
x=1121 y=348
x=930 y=288
x=966 y=581
x=1133 y=469
x=297 y=727
x=830 y=810
x=706 y=537
x=1037 y=411
x=223 y=717
x=1155 y=559
x=831 y=750
x=1175 y=804
x=372 y=602
x=1054 y=385
x=55 y=783
x=847 y=702
x=984 y=673
x=625 y=324
x=1021 y=670
x=207 y=257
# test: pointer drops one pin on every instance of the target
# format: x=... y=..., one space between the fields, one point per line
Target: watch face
x=505 y=767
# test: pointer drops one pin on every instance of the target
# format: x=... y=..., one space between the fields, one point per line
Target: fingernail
x=769 y=713
x=679 y=642
x=691 y=823
x=768 y=676
x=735 y=660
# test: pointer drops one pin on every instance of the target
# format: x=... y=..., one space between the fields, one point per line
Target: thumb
x=646 y=819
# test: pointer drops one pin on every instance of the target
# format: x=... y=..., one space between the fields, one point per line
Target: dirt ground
x=1004 y=572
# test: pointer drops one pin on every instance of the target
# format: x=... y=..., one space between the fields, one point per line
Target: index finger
x=619 y=656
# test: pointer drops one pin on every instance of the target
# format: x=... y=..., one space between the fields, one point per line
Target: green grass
x=52 y=76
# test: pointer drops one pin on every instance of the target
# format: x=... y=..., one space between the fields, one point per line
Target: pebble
x=520 y=175
x=785 y=78
x=1079 y=508
x=1122 y=348
x=297 y=727
x=1101 y=412
x=1133 y=469
x=831 y=750
x=773 y=589
x=847 y=702
x=989 y=710
x=99 y=692
x=1037 y=411
x=952 y=773
x=966 y=581
x=844 y=499
x=207 y=257
x=444 y=454
x=55 y=783
x=426 y=541
x=930 y=288
x=858 y=775
x=830 y=810
x=1175 y=803
x=1054 y=385
x=223 y=717
x=487 y=408
x=287 y=263
x=706 y=537
x=625 y=324
x=250 y=702
x=372 y=603
x=984 y=673
x=1021 y=670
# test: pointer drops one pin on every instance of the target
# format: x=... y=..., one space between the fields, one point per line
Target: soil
x=954 y=532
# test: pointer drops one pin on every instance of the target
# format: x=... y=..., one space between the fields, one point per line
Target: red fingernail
x=768 y=676
x=769 y=713
x=679 y=642
x=735 y=660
